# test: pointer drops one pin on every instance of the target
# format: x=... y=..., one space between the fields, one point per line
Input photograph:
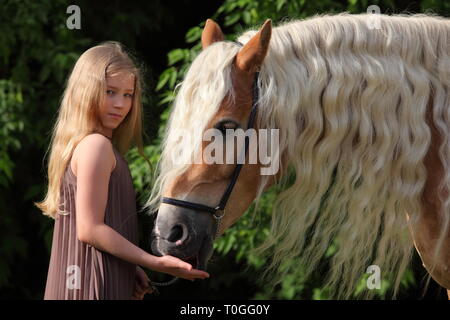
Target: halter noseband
x=218 y=211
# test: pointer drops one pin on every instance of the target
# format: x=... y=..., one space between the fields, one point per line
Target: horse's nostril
x=176 y=233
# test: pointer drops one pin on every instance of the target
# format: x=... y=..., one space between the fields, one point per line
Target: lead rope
x=155 y=285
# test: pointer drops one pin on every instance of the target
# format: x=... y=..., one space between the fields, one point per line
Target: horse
x=362 y=105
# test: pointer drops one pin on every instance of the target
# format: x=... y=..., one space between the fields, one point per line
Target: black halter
x=218 y=211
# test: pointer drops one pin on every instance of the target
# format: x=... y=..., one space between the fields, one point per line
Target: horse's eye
x=224 y=125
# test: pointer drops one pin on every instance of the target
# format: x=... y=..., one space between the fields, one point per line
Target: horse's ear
x=211 y=33
x=252 y=55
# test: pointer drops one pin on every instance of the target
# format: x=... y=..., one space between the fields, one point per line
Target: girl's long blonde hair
x=77 y=117
x=350 y=101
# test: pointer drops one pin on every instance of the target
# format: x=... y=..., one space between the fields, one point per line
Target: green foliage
x=386 y=285
x=141 y=172
x=11 y=106
x=37 y=52
x=436 y=7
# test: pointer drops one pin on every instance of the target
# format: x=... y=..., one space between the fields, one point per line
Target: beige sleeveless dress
x=78 y=271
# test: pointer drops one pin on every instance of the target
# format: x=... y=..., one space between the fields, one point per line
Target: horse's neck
x=428 y=228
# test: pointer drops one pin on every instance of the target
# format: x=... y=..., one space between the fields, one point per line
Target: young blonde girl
x=90 y=192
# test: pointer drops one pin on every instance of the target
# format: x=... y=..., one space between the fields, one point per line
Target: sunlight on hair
x=77 y=115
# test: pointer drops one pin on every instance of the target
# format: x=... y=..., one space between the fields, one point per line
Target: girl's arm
x=93 y=162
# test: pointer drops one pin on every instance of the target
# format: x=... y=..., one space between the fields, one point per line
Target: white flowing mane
x=350 y=102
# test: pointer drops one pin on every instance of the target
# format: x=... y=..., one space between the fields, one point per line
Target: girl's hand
x=141 y=284
x=179 y=268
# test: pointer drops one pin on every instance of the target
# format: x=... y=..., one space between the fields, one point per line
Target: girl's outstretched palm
x=179 y=268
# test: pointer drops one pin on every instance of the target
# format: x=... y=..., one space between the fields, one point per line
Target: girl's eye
x=129 y=95
x=109 y=92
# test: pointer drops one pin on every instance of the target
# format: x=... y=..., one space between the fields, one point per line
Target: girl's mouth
x=115 y=115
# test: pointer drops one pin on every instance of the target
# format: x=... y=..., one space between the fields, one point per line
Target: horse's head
x=187 y=231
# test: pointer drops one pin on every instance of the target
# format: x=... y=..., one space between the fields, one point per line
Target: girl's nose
x=119 y=102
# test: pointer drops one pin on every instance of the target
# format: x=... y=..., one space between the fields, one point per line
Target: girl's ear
x=211 y=33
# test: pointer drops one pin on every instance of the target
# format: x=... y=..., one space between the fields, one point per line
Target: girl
x=90 y=193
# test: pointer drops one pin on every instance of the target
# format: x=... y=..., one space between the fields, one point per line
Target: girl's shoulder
x=91 y=147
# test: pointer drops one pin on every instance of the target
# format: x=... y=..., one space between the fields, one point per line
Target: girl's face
x=117 y=102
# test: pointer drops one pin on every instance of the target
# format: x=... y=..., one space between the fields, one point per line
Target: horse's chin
x=198 y=261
